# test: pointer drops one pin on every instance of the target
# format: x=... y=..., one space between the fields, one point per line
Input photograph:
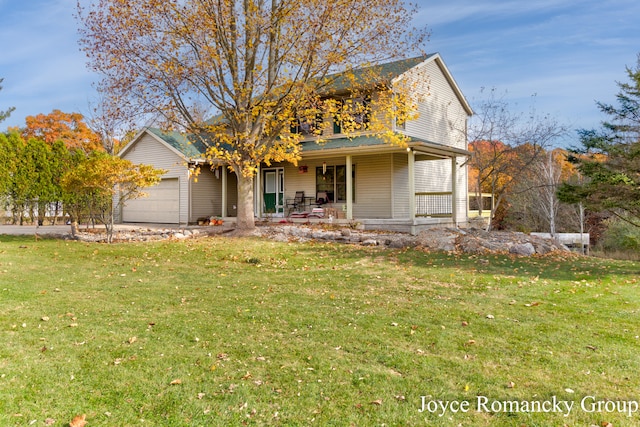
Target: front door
x=273 y=194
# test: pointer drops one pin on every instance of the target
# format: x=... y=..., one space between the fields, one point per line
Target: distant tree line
x=534 y=187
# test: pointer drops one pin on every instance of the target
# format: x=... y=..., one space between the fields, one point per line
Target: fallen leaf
x=591 y=347
x=377 y=402
x=533 y=304
x=490 y=316
x=511 y=384
x=79 y=421
x=465 y=323
x=49 y=422
x=132 y=340
x=45 y=318
x=568 y=390
x=606 y=424
x=177 y=381
x=471 y=342
x=201 y=395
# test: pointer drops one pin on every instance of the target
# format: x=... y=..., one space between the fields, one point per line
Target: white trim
x=223 y=212
x=349 y=184
x=160 y=140
x=411 y=170
x=454 y=191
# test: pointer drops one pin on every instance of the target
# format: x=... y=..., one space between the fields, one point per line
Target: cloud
x=42 y=65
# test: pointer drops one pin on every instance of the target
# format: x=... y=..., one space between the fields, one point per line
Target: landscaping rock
x=523 y=249
x=472 y=241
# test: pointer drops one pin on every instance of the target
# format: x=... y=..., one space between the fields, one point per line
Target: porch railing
x=487 y=205
x=436 y=205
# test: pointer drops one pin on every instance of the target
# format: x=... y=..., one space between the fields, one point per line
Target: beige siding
x=373 y=186
x=206 y=195
x=295 y=181
x=372 y=183
x=442 y=117
x=232 y=194
x=206 y=192
x=400 y=186
x=148 y=150
x=433 y=175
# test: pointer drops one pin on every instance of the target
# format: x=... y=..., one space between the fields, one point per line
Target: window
x=306 y=126
x=334 y=182
x=354 y=114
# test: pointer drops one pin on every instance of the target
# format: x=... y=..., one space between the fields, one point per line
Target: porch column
x=412 y=185
x=224 y=191
x=257 y=209
x=349 y=183
x=454 y=191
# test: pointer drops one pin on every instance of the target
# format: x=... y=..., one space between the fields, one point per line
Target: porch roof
x=373 y=143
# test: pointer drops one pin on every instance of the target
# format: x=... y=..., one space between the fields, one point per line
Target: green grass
x=247 y=332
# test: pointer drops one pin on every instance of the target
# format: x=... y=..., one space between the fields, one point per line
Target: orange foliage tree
x=505 y=145
x=69 y=128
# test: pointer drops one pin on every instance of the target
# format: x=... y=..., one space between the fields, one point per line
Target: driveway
x=58 y=230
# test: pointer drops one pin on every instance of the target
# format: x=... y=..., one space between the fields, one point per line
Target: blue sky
x=559 y=56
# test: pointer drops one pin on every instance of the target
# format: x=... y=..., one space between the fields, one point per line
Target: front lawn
x=220 y=331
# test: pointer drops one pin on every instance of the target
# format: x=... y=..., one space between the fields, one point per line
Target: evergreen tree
x=610 y=157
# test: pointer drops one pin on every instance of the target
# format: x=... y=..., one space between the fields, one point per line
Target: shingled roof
x=191 y=148
x=383 y=74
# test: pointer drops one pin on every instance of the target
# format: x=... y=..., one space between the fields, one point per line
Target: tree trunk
x=74 y=227
x=245 y=220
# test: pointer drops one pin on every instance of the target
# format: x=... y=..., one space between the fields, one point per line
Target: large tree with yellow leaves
x=253 y=65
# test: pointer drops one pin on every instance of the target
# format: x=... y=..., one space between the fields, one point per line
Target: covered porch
x=369 y=185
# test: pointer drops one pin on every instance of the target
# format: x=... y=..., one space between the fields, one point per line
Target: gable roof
x=189 y=147
x=384 y=74
x=452 y=82
x=181 y=144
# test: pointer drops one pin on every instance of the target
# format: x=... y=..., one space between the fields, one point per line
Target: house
x=360 y=179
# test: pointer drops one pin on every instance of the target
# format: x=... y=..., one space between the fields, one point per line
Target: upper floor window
x=307 y=126
x=352 y=114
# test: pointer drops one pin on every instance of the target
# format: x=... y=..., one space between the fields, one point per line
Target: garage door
x=161 y=206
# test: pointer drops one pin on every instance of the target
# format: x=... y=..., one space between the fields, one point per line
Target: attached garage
x=161 y=206
x=179 y=198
